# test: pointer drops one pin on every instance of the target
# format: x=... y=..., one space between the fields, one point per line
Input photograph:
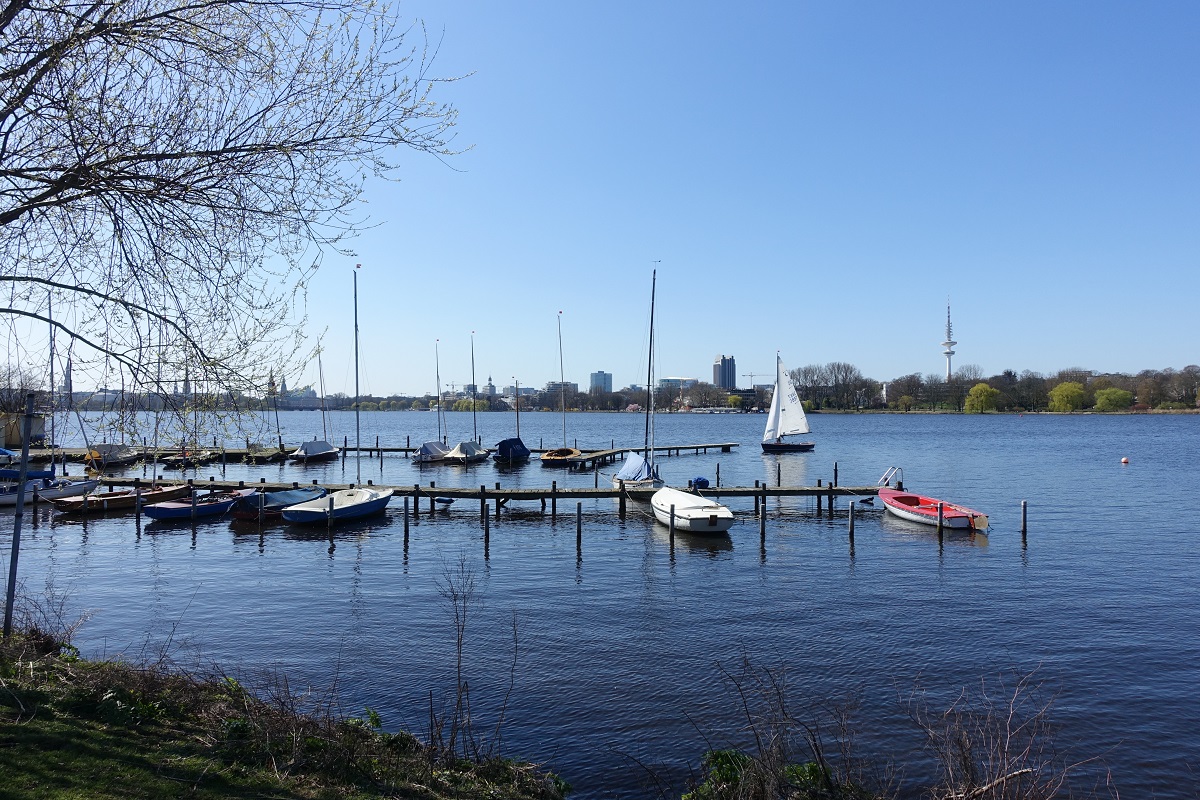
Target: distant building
x=601 y=382
x=677 y=384
x=556 y=387
x=724 y=373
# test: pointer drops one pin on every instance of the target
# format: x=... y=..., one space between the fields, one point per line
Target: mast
x=650 y=374
x=474 y=425
x=517 y=398
x=562 y=381
x=437 y=371
x=357 y=428
x=321 y=380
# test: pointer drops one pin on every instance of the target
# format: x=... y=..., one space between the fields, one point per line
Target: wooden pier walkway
x=499 y=497
x=234 y=455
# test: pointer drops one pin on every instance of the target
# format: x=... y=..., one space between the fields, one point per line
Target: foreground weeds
x=74 y=728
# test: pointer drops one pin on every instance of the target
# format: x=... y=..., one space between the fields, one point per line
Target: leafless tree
x=171 y=173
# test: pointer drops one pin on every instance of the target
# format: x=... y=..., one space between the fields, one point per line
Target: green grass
x=76 y=729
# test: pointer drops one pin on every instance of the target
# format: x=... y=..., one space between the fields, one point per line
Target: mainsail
x=786 y=416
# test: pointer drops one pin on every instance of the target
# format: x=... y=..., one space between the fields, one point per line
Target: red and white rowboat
x=918 y=508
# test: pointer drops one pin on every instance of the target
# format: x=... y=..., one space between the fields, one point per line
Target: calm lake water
x=621 y=648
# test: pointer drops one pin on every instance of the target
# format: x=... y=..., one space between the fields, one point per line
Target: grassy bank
x=71 y=728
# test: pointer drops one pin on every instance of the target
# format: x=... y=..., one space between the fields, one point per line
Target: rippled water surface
x=621 y=644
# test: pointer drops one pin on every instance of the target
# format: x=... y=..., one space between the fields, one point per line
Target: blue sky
x=814 y=178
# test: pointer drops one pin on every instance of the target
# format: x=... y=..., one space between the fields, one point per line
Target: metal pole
x=23 y=475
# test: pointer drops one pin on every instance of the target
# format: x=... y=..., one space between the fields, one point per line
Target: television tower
x=949 y=343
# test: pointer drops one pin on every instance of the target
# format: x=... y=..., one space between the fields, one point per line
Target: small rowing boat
x=918 y=508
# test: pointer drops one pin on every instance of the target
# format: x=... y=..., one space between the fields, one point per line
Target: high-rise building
x=724 y=373
x=601 y=382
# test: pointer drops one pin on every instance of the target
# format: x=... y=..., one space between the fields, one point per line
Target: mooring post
x=416 y=500
x=718 y=474
x=596 y=474
x=193 y=500
x=671 y=527
x=578 y=527
x=262 y=506
x=432 y=486
x=941 y=518
x=835 y=482
x=408 y=442
x=757 y=511
x=852 y=524
x=762 y=521
x=820 y=499
x=487 y=526
x=831 y=501
x=329 y=515
x=483 y=507
x=1024 y=510
x=406 y=517
x=553 y=500
x=778 y=473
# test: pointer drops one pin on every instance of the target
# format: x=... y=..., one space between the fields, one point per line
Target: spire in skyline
x=949 y=343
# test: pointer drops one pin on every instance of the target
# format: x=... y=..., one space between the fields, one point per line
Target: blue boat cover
x=511 y=450
x=273 y=501
x=636 y=468
x=700 y=482
x=15 y=474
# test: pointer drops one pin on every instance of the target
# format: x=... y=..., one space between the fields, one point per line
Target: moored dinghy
x=121 y=500
x=693 y=513
x=339 y=506
x=315 y=451
x=210 y=504
x=466 y=453
x=270 y=505
x=919 y=508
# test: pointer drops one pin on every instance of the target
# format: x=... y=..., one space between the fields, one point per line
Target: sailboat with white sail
x=786 y=417
x=639 y=470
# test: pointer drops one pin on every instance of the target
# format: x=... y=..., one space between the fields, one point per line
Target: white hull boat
x=692 y=513
x=45 y=489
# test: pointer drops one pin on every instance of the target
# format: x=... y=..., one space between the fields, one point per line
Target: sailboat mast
x=321 y=379
x=562 y=381
x=517 y=398
x=650 y=367
x=437 y=372
x=474 y=425
x=53 y=407
x=357 y=396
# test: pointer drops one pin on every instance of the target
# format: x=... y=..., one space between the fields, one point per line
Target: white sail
x=786 y=416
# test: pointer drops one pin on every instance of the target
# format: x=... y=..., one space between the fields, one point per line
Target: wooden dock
x=234 y=455
x=498 y=497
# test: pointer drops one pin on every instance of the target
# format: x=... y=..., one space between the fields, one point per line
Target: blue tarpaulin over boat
x=636 y=468
x=511 y=450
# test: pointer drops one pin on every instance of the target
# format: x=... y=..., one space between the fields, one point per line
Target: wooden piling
x=1024 y=510
x=578 y=526
x=621 y=500
x=483 y=507
x=718 y=474
x=830 y=501
x=762 y=520
x=416 y=500
x=941 y=518
x=671 y=526
x=757 y=510
x=851 y=524
x=406 y=518
x=553 y=500
x=432 y=486
x=820 y=501
x=778 y=473
x=835 y=481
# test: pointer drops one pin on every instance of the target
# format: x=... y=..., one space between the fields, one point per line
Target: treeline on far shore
x=835 y=386
x=838 y=386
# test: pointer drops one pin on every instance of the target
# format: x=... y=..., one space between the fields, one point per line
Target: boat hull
x=127 y=500
x=339 y=506
x=46 y=489
x=270 y=505
x=212 y=504
x=918 y=508
x=788 y=447
x=693 y=513
x=559 y=457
